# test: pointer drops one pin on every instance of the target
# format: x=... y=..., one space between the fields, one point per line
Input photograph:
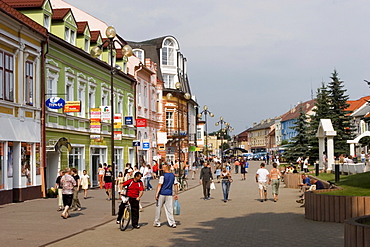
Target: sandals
x=64 y=216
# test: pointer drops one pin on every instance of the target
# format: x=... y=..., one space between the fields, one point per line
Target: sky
x=253 y=60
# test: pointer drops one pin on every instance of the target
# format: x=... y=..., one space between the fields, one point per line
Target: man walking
x=262 y=178
x=164 y=197
x=205 y=179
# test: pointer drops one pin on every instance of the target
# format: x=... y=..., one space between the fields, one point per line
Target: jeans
x=148 y=185
x=236 y=169
x=225 y=189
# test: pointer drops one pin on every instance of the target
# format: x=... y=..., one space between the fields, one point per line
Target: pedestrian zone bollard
x=336 y=173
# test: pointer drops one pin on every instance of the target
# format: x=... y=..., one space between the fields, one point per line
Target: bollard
x=336 y=173
x=317 y=166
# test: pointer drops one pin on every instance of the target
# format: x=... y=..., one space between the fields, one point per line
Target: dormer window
x=139 y=54
x=168 y=52
x=47 y=22
x=70 y=35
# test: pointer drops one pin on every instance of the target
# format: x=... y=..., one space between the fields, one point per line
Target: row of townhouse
x=270 y=135
x=45 y=58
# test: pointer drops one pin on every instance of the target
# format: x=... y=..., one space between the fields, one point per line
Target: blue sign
x=146 y=145
x=55 y=103
x=128 y=120
x=136 y=143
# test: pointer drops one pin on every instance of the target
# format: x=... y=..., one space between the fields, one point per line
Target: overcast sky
x=253 y=60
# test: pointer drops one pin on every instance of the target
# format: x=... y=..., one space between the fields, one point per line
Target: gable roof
x=355 y=104
x=25 y=4
x=59 y=14
x=18 y=16
x=94 y=36
x=294 y=113
x=81 y=25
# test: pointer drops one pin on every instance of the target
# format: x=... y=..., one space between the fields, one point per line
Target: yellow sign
x=72 y=106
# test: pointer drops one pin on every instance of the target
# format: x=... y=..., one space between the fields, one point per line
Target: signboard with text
x=141 y=122
x=72 y=106
x=105 y=113
x=55 y=103
x=129 y=120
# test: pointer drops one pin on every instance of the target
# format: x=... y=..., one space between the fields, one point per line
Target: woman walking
x=275 y=181
x=101 y=172
x=68 y=183
x=226 y=180
x=85 y=181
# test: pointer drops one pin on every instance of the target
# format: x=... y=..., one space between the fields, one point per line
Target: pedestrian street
x=243 y=221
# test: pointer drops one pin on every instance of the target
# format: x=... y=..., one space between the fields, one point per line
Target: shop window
x=26 y=154
x=75 y=158
x=10 y=159
x=37 y=158
x=1 y=165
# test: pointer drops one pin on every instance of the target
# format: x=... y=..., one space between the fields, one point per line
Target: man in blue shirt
x=164 y=196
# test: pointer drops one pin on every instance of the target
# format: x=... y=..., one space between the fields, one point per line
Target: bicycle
x=126 y=217
x=183 y=184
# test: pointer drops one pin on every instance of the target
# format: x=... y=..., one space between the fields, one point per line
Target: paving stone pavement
x=243 y=221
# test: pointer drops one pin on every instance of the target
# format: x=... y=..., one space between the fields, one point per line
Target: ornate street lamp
x=187 y=96
x=205 y=112
x=96 y=51
x=221 y=122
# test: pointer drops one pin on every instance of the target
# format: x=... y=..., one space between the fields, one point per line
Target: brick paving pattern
x=243 y=221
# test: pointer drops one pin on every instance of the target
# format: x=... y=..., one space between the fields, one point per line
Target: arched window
x=168 y=52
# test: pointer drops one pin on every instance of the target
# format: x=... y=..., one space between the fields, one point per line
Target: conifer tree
x=299 y=144
x=338 y=114
x=321 y=111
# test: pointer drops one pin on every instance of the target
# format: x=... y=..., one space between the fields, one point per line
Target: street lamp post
x=187 y=96
x=221 y=122
x=226 y=129
x=96 y=52
x=205 y=112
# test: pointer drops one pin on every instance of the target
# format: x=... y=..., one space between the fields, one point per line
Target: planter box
x=331 y=208
x=356 y=232
x=292 y=180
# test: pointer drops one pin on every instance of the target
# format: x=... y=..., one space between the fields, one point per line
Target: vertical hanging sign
x=117 y=126
x=95 y=124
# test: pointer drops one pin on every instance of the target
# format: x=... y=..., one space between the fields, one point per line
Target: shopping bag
x=176 y=208
x=213 y=186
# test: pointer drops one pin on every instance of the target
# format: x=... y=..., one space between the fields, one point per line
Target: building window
x=6 y=76
x=75 y=158
x=145 y=97
x=67 y=34
x=130 y=107
x=26 y=158
x=29 y=83
x=169 y=119
x=47 y=22
x=168 y=52
x=139 y=54
x=169 y=81
x=70 y=35
x=87 y=45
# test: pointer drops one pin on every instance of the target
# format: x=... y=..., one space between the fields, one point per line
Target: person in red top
x=134 y=191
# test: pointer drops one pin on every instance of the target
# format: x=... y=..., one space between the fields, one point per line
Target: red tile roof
x=355 y=104
x=294 y=113
x=18 y=16
x=94 y=36
x=20 y=4
x=59 y=14
x=81 y=25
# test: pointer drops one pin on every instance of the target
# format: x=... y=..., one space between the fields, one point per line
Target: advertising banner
x=95 y=125
x=72 y=106
x=129 y=120
x=141 y=122
x=105 y=113
x=55 y=103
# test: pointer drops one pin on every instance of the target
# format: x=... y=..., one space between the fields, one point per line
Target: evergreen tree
x=321 y=111
x=299 y=144
x=338 y=114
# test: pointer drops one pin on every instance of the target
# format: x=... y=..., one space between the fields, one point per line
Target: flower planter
x=357 y=232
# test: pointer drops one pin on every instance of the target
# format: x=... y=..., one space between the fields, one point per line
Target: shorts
x=67 y=199
x=108 y=185
x=262 y=185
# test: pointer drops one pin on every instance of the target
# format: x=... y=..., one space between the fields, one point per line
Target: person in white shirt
x=263 y=178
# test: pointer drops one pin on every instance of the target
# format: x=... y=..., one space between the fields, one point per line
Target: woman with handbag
x=226 y=181
x=275 y=181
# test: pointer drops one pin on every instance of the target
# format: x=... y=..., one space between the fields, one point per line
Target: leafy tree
x=299 y=144
x=339 y=115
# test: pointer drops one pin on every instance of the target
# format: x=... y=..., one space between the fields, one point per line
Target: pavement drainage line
x=101 y=224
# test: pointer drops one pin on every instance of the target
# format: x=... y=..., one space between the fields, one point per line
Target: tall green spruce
x=339 y=116
x=299 y=144
x=321 y=111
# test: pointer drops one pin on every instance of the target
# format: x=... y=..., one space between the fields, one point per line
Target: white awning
x=16 y=130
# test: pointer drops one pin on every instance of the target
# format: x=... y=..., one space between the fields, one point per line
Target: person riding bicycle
x=134 y=191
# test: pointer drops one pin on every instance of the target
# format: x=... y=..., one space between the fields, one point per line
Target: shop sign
x=141 y=122
x=72 y=106
x=55 y=103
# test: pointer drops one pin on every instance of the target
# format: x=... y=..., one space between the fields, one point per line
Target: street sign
x=146 y=145
x=136 y=143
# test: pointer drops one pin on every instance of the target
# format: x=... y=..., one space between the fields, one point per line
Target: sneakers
x=117 y=222
x=136 y=227
x=173 y=226
x=157 y=224
x=299 y=201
